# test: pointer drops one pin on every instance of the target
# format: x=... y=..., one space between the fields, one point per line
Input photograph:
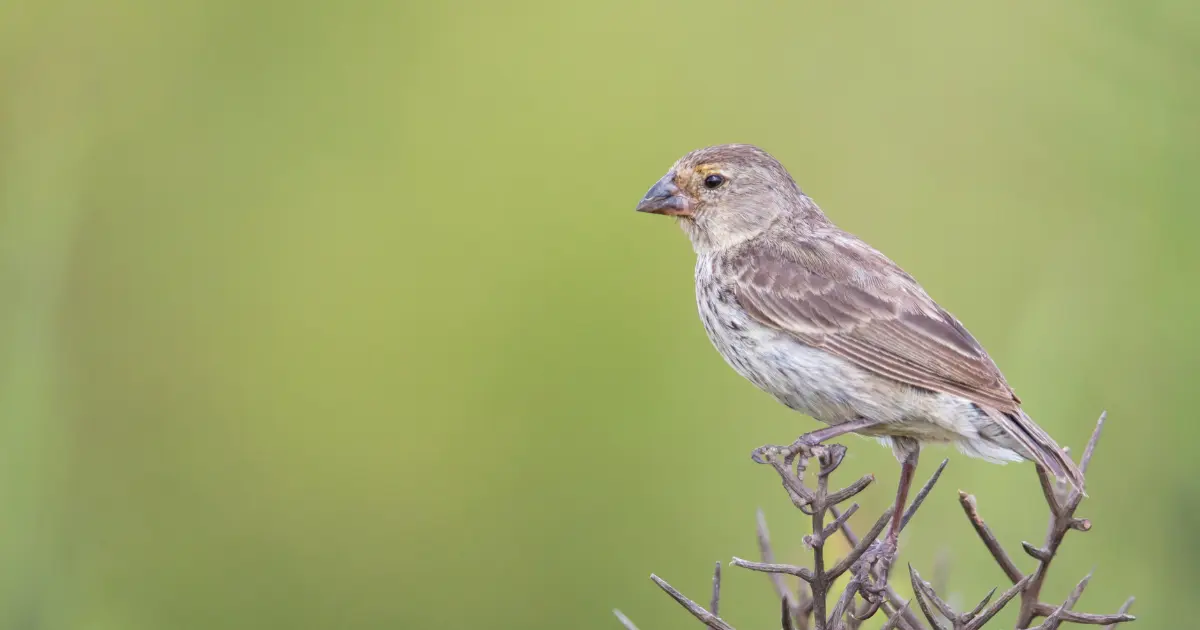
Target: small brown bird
x=831 y=327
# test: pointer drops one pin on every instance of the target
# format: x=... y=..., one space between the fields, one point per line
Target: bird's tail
x=1040 y=447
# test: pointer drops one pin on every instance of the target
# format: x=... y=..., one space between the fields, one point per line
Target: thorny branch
x=867 y=591
x=1062 y=502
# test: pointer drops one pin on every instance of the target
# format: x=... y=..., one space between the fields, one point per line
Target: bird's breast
x=802 y=377
x=825 y=386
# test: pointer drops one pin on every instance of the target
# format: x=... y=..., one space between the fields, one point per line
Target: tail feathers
x=1040 y=447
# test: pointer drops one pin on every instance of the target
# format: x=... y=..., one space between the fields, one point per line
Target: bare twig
x=923 y=588
x=1062 y=504
x=1038 y=553
x=920 y=498
x=1055 y=619
x=1044 y=610
x=1048 y=491
x=851 y=537
x=999 y=605
x=807 y=606
x=804 y=610
x=917 y=595
x=850 y=490
x=839 y=520
x=787 y=569
x=894 y=620
x=716 y=592
x=624 y=620
x=817 y=502
x=709 y=619
x=1086 y=460
x=989 y=539
x=982 y=603
x=768 y=556
x=798 y=605
x=821 y=583
x=843 y=605
x=1120 y=613
x=1062 y=519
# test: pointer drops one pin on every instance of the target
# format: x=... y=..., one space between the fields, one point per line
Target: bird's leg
x=809 y=440
x=908 y=469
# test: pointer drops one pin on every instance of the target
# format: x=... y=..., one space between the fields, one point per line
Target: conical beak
x=664 y=197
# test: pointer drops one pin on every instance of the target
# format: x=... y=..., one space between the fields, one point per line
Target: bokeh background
x=321 y=315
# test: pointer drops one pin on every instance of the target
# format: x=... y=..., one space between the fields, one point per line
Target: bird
x=832 y=328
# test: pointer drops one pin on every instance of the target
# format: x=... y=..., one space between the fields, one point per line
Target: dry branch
x=1062 y=502
x=867 y=591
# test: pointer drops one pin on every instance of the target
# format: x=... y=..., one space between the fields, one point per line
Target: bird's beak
x=664 y=197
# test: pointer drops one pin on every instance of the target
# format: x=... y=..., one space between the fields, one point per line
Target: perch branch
x=807 y=606
x=1062 y=503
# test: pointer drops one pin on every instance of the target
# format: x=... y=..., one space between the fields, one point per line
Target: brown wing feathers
x=899 y=333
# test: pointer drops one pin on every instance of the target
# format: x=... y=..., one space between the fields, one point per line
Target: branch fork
x=806 y=605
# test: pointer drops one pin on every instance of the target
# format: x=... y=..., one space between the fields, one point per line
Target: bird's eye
x=714 y=181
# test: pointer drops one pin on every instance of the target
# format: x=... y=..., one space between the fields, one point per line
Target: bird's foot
x=764 y=454
x=873 y=568
x=883 y=555
x=804 y=444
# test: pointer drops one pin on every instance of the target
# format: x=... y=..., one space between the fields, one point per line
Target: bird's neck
x=707 y=238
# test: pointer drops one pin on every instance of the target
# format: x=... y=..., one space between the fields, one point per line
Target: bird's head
x=726 y=194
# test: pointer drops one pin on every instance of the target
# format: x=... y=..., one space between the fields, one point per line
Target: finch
x=831 y=327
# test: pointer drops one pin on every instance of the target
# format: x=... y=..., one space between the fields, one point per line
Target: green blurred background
x=329 y=316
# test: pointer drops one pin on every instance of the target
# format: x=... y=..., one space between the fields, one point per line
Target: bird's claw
x=764 y=454
x=872 y=570
x=882 y=554
x=875 y=591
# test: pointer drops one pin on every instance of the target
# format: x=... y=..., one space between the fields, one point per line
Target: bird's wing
x=853 y=302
